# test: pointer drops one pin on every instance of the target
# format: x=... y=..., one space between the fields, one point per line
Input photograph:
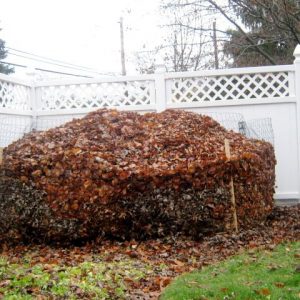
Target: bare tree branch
x=248 y=38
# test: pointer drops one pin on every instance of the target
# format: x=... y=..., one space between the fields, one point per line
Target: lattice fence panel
x=229 y=87
x=108 y=94
x=14 y=96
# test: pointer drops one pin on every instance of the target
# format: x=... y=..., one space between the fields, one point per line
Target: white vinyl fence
x=271 y=93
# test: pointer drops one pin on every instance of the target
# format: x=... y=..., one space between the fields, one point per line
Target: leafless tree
x=262 y=31
x=186 y=47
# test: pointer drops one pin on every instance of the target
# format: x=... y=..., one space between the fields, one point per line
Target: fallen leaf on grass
x=279 y=284
x=32 y=290
x=263 y=292
x=273 y=268
x=48 y=267
x=165 y=281
x=4 y=283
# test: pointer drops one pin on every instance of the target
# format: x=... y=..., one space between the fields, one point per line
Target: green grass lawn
x=253 y=275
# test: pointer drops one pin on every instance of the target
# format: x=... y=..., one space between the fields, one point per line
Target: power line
x=45 y=70
x=54 y=64
x=51 y=59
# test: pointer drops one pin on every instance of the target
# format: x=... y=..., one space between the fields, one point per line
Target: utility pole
x=175 y=52
x=122 y=47
x=215 y=45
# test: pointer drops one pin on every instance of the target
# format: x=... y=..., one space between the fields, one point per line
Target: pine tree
x=3 y=53
x=273 y=26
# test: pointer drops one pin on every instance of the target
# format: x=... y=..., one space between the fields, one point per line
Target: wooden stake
x=1 y=155
x=228 y=156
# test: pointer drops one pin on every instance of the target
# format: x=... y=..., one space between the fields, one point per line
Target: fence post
x=33 y=101
x=297 y=94
x=160 y=87
x=33 y=106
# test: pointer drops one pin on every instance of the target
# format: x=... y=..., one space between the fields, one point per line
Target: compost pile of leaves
x=126 y=175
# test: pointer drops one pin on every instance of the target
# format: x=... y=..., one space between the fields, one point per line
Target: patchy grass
x=98 y=279
x=253 y=275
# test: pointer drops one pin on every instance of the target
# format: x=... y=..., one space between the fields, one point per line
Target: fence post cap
x=297 y=53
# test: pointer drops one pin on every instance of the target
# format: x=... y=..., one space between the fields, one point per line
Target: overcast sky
x=82 y=32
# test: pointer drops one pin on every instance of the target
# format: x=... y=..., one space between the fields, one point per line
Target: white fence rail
x=262 y=92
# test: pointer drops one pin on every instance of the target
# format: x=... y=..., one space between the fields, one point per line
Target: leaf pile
x=127 y=175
